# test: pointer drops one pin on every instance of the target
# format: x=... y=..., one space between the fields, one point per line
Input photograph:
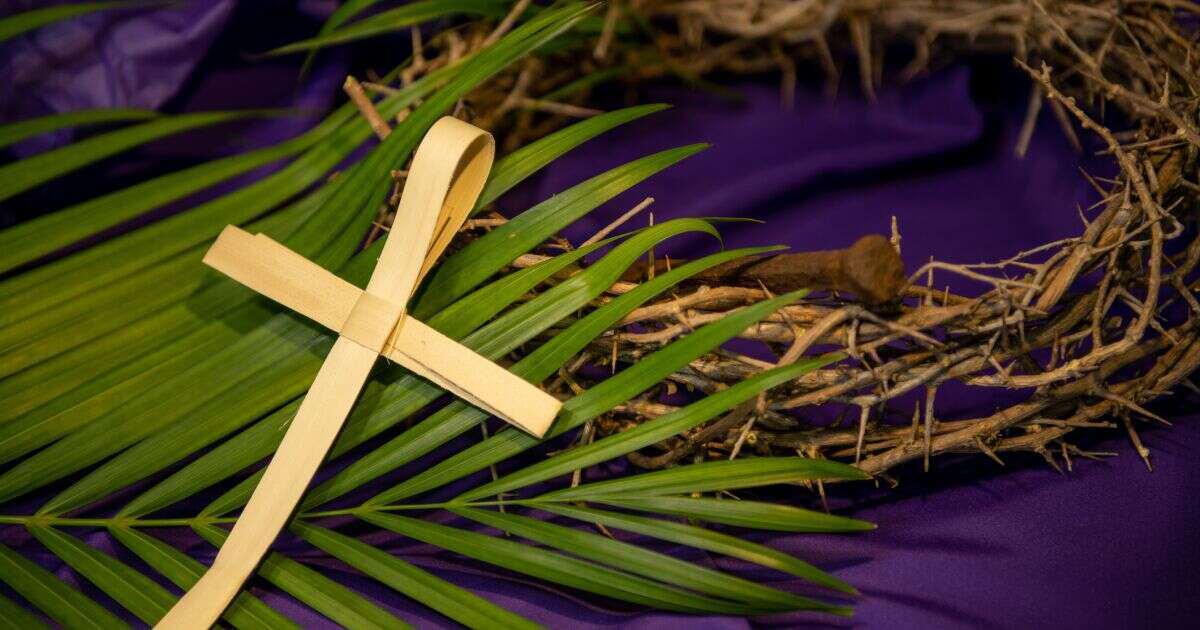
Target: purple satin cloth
x=970 y=545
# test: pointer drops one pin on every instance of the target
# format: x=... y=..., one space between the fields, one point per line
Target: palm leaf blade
x=20 y=176
x=137 y=593
x=454 y=602
x=465 y=269
x=712 y=476
x=320 y=593
x=623 y=386
x=11 y=133
x=750 y=514
x=701 y=538
x=516 y=166
x=14 y=617
x=554 y=567
x=51 y=595
x=498 y=338
x=164 y=448
x=644 y=562
x=522 y=323
x=696 y=478
x=246 y=612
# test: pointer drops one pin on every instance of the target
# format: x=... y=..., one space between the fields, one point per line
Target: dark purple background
x=972 y=545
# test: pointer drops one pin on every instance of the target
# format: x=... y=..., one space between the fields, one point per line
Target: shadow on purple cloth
x=971 y=545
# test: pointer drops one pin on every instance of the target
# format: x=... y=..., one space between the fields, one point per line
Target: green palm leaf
x=511 y=330
x=701 y=538
x=128 y=358
x=659 y=429
x=14 y=132
x=650 y=564
x=345 y=12
x=338 y=603
x=710 y=476
x=15 y=617
x=51 y=595
x=252 y=446
x=246 y=612
x=545 y=219
x=557 y=568
x=135 y=592
x=456 y=603
x=588 y=405
x=20 y=176
x=284 y=375
x=279 y=358
x=751 y=514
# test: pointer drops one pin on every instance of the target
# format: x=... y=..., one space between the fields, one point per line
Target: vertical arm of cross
x=447 y=174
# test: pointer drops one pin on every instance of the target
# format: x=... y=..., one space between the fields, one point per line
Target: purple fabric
x=972 y=545
x=105 y=59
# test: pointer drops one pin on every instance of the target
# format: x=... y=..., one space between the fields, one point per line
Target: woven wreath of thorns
x=1042 y=325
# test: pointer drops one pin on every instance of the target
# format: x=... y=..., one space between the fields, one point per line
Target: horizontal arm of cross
x=447 y=174
x=288 y=278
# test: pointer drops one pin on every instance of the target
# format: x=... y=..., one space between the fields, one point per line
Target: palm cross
x=447 y=175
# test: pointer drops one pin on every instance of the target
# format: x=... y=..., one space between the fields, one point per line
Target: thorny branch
x=1082 y=326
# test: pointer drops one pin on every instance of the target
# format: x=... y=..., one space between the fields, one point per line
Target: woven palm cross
x=447 y=175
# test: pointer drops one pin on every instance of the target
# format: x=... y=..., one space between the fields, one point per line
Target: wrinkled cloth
x=969 y=545
x=121 y=58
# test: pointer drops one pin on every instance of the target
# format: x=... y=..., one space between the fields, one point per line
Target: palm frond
x=586 y=406
x=135 y=380
x=279 y=357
